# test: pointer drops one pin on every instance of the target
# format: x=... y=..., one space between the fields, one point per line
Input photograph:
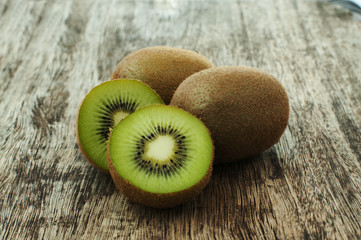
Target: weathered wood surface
x=307 y=186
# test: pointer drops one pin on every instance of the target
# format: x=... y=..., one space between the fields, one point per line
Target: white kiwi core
x=160 y=149
x=119 y=116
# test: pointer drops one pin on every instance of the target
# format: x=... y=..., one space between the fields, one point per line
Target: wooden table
x=308 y=186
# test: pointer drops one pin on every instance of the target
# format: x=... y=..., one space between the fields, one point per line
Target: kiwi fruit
x=160 y=156
x=102 y=108
x=162 y=68
x=245 y=109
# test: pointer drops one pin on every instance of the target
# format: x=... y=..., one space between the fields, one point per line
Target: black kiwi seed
x=103 y=131
x=104 y=114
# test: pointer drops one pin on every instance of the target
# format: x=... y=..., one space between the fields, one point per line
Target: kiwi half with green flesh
x=162 y=68
x=160 y=156
x=245 y=109
x=102 y=108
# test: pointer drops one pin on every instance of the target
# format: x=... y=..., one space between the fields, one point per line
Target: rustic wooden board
x=53 y=52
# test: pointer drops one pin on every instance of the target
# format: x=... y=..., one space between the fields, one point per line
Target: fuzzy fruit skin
x=156 y=200
x=162 y=68
x=245 y=109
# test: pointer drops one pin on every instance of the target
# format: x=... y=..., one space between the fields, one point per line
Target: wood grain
x=305 y=187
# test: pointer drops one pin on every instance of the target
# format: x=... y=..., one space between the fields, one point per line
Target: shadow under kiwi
x=235 y=195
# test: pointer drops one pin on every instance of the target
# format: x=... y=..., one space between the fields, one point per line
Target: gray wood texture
x=308 y=186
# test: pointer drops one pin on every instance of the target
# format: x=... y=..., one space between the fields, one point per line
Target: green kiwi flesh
x=162 y=68
x=160 y=156
x=245 y=109
x=102 y=108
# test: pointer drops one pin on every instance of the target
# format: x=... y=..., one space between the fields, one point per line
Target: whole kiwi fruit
x=160 y=156
x=103 y=108
x=162 y=68
x=245 y=109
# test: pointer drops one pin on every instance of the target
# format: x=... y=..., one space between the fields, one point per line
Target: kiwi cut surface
x=160 y=156
x=162 y=68
x=245 y=109
x=103 y=108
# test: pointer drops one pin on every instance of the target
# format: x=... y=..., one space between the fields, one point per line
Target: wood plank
x=307 y=186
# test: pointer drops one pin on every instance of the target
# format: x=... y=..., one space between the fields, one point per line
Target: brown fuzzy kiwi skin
x=157 y=200
x=162 y=68
x=246 y=110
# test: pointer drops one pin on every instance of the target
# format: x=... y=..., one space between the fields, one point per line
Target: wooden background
x=52 y=53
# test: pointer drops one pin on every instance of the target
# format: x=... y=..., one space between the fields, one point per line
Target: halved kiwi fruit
x=160 y=156
x=102 y=108
x=162 y=68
